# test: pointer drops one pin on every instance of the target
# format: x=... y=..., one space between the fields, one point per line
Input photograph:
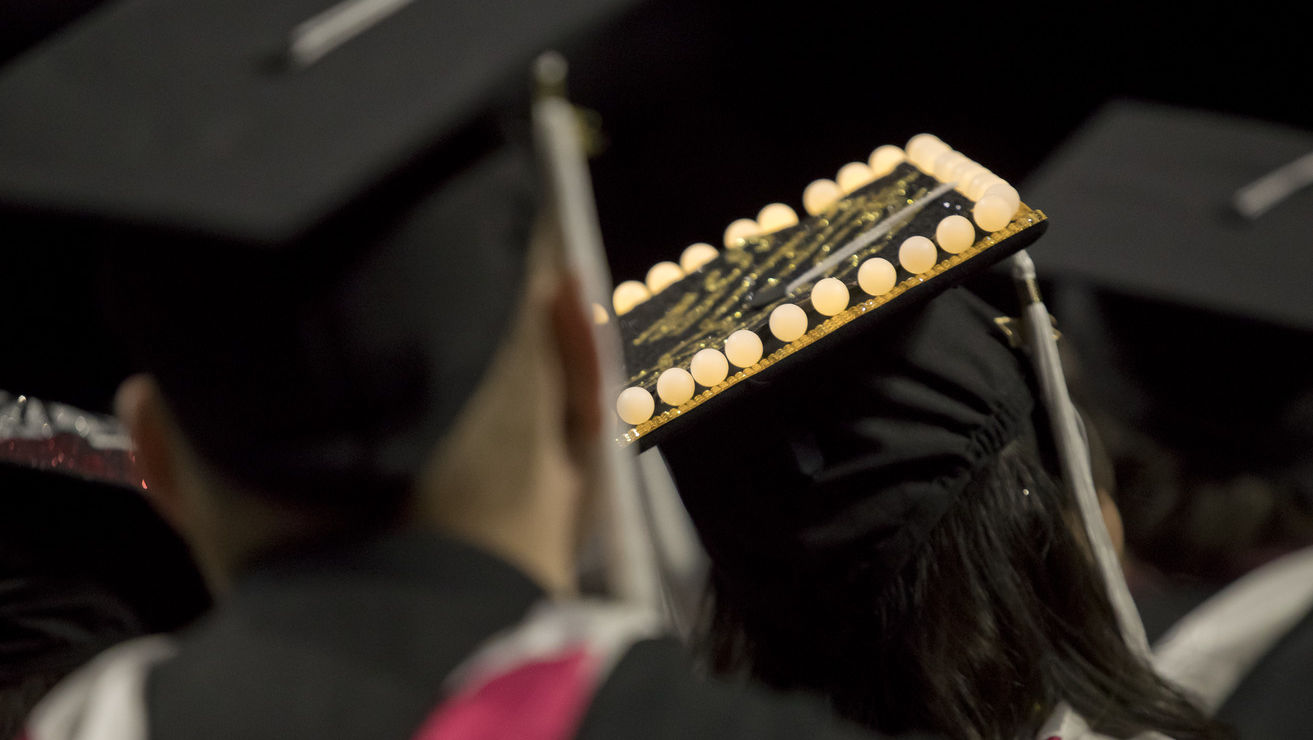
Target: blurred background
x=1195 y=372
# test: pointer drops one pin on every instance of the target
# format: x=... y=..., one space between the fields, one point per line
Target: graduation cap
x=311 y=215
x=884 y=234
x=818 y=392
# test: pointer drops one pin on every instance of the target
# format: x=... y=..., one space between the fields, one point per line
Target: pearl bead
x=709 y=367
x=884 y=159
x=599 y=314
x=743 y=348
x=947 y=163
x=829 y=296
x=635 y=405
x=980 y=183
x=853 y=176
x=695 y=256
x=675 y=386
x=992 y=212
x=628 y=294
x=820 y=195
x=917 y=254
x=739 y=230
x=662 y=276
x=966 y=174
x=877 y=276
x=954 y=234
x=776 y=216
x=922 y=150
x=788 y=322
x=1008 y=193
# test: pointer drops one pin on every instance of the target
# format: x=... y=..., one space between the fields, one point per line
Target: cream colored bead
x=709 y=367
x=922 y=150
x=854 y=176
x=820 y=195
x=966 y=174
x=917 y=254
x=1007 y=193
x=695 y=256
x=788 y=322
x=776 y=216
x=662 y=276
x=955 y=234
x=635 y=405
x=885 y=158
x=628 y=294
x=829 y=296
x=992 y=212
x=736 y=232
x=675 y=386
x=743 y=348
x=946 y=164
x=599 y=314
x=877 y=276
x=980 y=183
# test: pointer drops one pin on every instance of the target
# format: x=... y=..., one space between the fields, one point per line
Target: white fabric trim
x=607 y=628
x=105 y=699
x=1212 y=649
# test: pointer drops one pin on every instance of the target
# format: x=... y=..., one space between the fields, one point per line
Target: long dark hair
x=998 y=618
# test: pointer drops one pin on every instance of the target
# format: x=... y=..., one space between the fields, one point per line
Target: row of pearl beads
x=662 y=275
x=788 y=322
x=996 y=201
x=816 y=197
x=676 y=386
x=996 y=204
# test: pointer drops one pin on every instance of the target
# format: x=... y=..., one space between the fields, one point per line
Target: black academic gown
x=357 y=645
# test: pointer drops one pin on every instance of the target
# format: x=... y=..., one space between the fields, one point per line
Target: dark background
x=713 y=109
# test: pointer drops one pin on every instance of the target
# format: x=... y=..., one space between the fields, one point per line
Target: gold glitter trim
x=1025 y=219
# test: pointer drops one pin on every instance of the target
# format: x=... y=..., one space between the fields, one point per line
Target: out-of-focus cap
x=313 y=214
x=1146 y=197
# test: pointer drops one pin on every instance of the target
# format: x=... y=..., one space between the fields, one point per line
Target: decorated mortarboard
x=313 y=214
x=885 y=234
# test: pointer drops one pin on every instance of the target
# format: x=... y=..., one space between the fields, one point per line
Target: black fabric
x=653 y=695
x=863 y=452
x=356 y=643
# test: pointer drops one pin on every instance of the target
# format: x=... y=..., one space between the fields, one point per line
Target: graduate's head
x=324 y=246
x=512 y=439
x=886 y=528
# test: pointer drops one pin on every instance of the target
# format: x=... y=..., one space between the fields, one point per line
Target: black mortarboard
x=314 y=213
x=1148 y=195
x=890 y=235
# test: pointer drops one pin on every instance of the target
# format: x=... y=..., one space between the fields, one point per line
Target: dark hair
x=998 y=617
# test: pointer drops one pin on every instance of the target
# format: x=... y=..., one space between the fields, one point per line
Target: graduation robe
x=364 y=642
